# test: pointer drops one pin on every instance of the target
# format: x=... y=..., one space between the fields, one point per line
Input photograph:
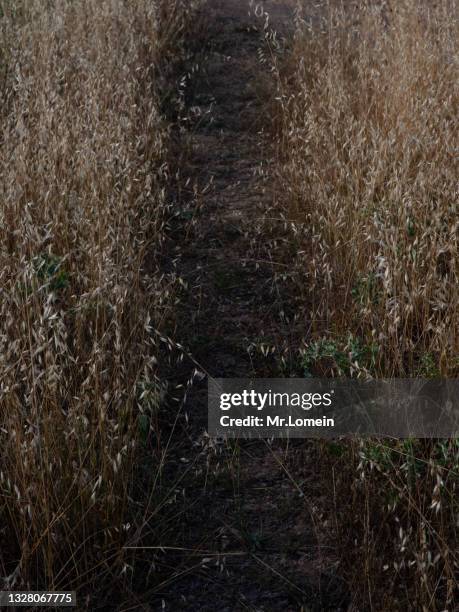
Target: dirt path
x=247 y=540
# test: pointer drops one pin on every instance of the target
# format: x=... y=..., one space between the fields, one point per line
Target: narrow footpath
x=249 y=538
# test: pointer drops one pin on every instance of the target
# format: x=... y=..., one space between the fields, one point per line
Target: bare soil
x=250 y=525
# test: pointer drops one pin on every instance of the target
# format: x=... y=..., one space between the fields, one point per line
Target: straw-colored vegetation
x=366 y=111
x=83 y=162
x=369 y=147
x=370 y=137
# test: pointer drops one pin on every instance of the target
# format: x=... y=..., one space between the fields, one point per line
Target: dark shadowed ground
x=248 y=539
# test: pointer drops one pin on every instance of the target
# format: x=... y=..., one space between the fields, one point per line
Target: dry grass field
x=147 y=155
x=83 y=169
x=369 y=149
x=368 y=155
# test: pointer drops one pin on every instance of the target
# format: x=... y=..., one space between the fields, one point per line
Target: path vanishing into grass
x=247 y=539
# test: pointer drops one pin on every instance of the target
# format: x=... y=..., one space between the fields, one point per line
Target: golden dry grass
x=83 y=162
x=368 y=150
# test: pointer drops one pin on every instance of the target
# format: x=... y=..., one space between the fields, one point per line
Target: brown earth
x=251 y=535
